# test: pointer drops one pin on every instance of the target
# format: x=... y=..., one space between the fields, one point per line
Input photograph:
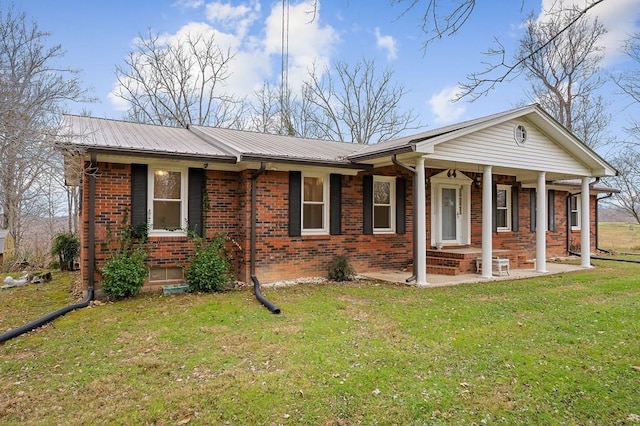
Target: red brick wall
x=278 y=256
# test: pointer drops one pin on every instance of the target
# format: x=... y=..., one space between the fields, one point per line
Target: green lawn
x=553 y=350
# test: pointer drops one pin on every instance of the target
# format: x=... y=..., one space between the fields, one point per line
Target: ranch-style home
x=514 y=185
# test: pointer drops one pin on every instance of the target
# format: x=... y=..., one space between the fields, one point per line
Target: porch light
x=452 y=173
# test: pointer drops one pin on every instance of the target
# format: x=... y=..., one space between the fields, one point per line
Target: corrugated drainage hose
x=256 y=284
x=47 y=318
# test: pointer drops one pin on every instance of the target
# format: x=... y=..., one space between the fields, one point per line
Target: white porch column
x=585 y=226
x=541 y=223
x=421 y=223
x=487 y=222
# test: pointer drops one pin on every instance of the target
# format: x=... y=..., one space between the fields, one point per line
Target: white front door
x=450 y=213
x=450 y=209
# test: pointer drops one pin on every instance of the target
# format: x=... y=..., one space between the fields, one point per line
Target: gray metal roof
x=577 y=183
x=99 y=134
x=254 y=145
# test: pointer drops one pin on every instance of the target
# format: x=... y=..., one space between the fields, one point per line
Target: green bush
x=210 y=267
x=340 y=269
x=67 y=247
x=124 y=274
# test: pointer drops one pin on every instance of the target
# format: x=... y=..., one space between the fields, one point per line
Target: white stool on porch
x=500 y=263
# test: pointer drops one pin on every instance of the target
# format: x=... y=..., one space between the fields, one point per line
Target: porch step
x=459 y=260
x=443 y=270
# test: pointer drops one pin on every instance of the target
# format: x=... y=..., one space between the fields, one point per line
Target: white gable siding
x=496 y=146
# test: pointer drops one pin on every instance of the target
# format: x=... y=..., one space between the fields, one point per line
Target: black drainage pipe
x=47 y=318
x=252 y=262
x=266 y=302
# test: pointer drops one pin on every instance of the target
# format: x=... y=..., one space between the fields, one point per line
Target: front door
x=450 y=213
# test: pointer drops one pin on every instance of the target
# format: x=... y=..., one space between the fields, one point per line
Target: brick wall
x=278 y=256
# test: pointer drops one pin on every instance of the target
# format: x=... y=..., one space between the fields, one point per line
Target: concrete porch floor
x=435 y=280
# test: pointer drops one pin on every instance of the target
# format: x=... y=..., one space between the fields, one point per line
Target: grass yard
x=561 y=349
x=618 y=236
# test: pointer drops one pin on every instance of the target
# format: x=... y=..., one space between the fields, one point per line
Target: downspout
x=395 y=161
x=252 y=261
x=90 y=269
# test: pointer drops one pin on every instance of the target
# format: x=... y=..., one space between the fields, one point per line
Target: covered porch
x=476 y=184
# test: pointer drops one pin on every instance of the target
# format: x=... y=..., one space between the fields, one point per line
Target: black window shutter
x=138 y=195
x=335 y=204
x=367 y=205
x=532 y=211
x=494 y=208
x=295 y=203
x=195 y=204
x=551 y=209
x=515 y=224
x=401 y=191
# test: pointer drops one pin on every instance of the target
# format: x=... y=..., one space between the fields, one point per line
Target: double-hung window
x=315 y=204
x=167 y=196
x=574 y=212
x=384 y=198
x=503 y=207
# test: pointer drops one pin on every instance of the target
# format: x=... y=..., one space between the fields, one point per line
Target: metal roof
x=201 y=142
x=577 y=183
x=254 y=145
x=99 y=134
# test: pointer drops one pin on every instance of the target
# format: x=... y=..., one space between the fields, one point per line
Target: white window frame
x=578 y=210
x=508 y=208
x=183 y=200
x=325 y=201
x=392 y=205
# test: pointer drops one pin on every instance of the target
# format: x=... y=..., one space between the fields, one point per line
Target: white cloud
x=387 y=43
x=309 y=41
x=619 y=17
x=256 y=43
x=442 y=106
x=230 y=18
x=189 y=4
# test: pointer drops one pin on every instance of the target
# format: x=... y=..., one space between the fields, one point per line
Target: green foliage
x=67 y=247
x=340 y=269
x=124 y=274
x=210 y=268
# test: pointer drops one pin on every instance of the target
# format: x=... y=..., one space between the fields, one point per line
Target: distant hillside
x=610 y=213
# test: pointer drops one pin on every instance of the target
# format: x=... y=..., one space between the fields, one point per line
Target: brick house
x=432 y=202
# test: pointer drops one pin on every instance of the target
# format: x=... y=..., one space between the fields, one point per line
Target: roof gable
x=484 y=140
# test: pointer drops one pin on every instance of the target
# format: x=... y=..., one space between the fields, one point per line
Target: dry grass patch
x=619 y=236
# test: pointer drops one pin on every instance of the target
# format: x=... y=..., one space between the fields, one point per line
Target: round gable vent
x=520 y=134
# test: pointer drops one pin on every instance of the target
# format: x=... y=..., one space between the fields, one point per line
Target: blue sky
x=98 y=35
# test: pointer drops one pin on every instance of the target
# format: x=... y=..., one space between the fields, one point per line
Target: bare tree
x=355 y=104
x=565 y=74
x=499 y=69
x=629 y=81
x=293 y=115
x=628 y=181
x=627 y=161
x=177 y=82
x=33 y=90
